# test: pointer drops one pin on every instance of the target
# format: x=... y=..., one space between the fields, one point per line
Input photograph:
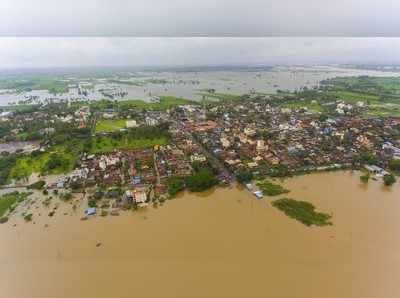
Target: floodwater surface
x=224 y=243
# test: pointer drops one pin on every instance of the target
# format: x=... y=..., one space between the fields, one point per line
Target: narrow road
x=224 y=173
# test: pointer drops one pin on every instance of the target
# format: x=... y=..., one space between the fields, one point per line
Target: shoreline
x=78 y=204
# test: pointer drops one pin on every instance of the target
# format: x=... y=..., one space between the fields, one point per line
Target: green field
x=219 y=96
x=312 y=107
x=165 y=103
x=354 y=97
x=22 y=108
x=11 y=199
x=390 y=110
x=29 y=164
x=39 y=82
x=271 y=189
x=373 y=89
x=107 y=144
x=110 y=125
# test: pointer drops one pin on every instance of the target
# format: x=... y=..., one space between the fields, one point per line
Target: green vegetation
x=381 y=94
x=66 y=196
x=354 y=97
x=279 y=170
x=37 y=82
x=221 y=97
x=138 y=138
x=28 y=217
x=308 y=105
x=368 y=158
x=110 y=125
x=389 y=179
x=108 y=144
x=165 y=103
x=21 y=108
x=56 y=161
x=37 y=185
x=175 y=185
x=201 y=180
x=244 y=176
x=302 y=211
x=92 y=202
x=6 y=164
x=365 y=177
x=383 y=89
x=65 y=147
x=271 y=189
x=10 y=200
x=394 y=165
x=386 y=110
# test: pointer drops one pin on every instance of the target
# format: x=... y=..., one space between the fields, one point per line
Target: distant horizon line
x=192 y=67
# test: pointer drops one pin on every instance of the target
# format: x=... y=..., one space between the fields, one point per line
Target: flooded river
x=221 y=244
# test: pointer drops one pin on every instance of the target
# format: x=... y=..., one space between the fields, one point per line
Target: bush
x=201 y=181
x=302 y=211
x=394 y=165
x=28 y=217
x=92 y=203
x=175 y=185
x=364 y=178
x=66 y=196
x=244 y=176
x=271 y=189
x=389 y=179
x=37 y=185
x=98 y=195
x=55 y=162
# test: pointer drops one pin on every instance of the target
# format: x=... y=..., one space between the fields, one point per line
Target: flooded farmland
x=224 y=243
x=190 y=84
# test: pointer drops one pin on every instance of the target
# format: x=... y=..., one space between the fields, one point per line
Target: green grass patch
x=219 y=96
x=106 y=144
x=110 y=125
x=302 y=211
x=21 y=108
x=383 y=111
x=365 y=177
x=59 y=159
x=165 y=103
x=10 y=200
x=37 y=185
x=271 y=189
x=354 y=97
x=312 y=107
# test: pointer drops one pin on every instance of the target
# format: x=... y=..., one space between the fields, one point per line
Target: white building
x=131 y=124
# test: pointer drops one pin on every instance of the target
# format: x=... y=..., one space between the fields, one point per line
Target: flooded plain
x=224 y=243
x=190 y=84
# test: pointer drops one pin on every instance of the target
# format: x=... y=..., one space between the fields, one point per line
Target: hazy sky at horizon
x=100 y=51
x=199 y=18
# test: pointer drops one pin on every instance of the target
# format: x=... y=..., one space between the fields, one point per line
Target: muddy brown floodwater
x=221 y=244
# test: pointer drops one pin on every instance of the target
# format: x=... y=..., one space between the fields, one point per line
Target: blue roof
x=259 y=194
x=327 y=130
x=90 y=211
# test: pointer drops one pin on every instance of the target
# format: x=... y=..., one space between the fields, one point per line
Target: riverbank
x=220 y=243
